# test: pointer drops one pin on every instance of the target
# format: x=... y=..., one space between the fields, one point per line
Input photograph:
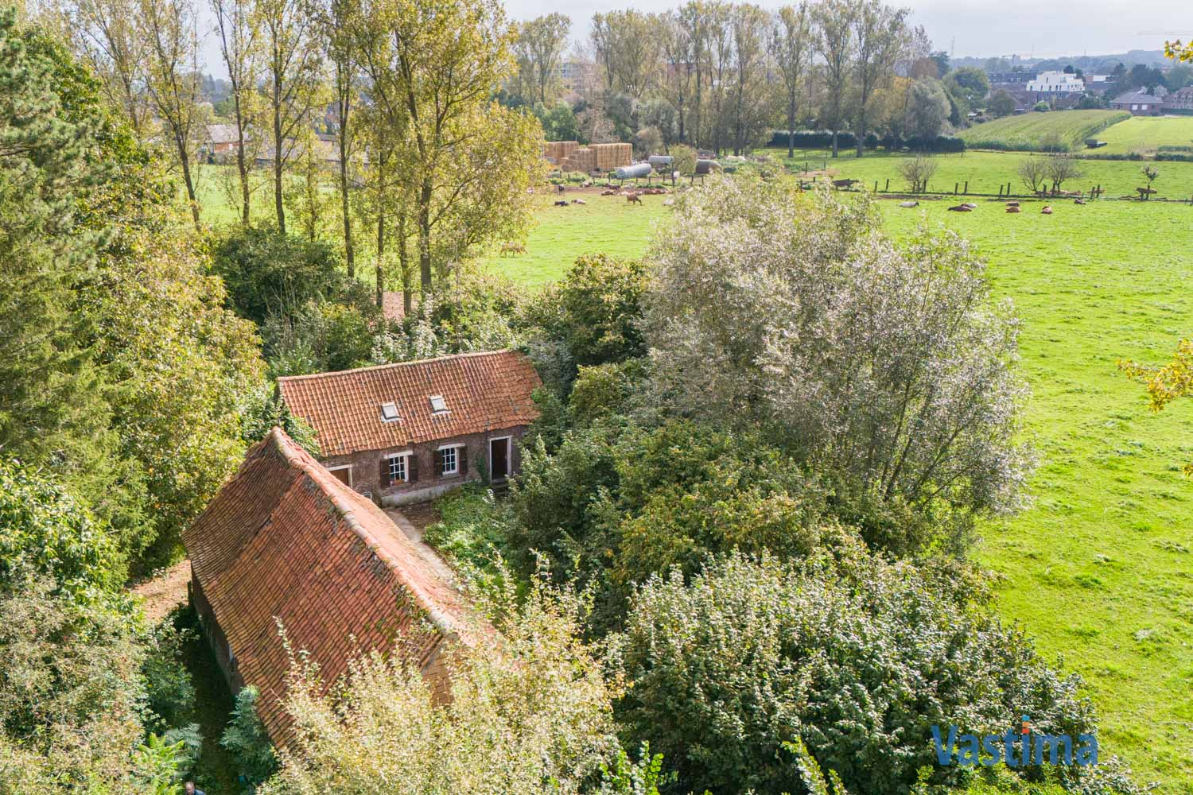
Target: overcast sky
x=1044 y=28
x=989 y=27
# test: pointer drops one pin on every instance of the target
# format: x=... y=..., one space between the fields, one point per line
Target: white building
x=1056 y=83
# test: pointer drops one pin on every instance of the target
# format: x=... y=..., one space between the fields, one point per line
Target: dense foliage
x=856 y=656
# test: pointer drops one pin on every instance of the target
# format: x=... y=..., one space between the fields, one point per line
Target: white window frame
x=405 y=454
x=455 y=459
x=343 y=466
x=509 y=454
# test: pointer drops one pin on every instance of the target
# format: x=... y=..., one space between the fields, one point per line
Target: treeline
x=391 y=102
x=720 y=75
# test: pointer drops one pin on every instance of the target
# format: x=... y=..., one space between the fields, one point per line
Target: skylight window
x=389 y=412
x=438 y=404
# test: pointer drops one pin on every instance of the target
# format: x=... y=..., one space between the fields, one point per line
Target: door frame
x=509 y=455
x=340 y=467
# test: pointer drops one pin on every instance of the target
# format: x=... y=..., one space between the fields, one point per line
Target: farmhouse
x=402 y=433
x=1139 y=103
x=219 y=142
x=285 y=542
x=1181 y=100
x=1056 y=83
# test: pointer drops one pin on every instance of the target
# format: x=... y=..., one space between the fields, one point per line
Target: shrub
x=886 y=367
x=854 y=656
x=270 y=273
x=246 y=739
x=529 y=716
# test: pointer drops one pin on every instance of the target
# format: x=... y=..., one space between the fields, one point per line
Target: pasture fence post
x=967 y=187
x=876 y=186
x=887 y=189
x=955 y=187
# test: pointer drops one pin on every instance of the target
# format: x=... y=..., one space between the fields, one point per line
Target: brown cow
x=961 y=208
x=512 y=248
x=1047 y=209
x=633 y=198
x=1012 y=208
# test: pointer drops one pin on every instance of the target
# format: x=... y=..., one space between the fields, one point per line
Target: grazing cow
x=909 y=205
x=512 y=248
x=560 y=188
x=1012 y=204
x=561 y=204
x=1013 y=208
x=1047 y=209
x=961 y=208
x=844 y=184
x=633 y=198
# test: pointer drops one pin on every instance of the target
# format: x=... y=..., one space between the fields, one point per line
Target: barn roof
x=478 y=392
x=285 y=542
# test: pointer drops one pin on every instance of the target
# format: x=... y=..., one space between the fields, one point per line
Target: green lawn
x=1145 y=134
x=604 y=224
x=1030 y=131
x=1100 y=568
x=985 y=171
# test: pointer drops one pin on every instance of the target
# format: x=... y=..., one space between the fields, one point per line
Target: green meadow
x=1099 y=569
x=1146 y=134
x=1030 y=132
x=985 y=171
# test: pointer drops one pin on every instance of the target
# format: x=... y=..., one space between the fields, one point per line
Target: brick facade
x=424 y=481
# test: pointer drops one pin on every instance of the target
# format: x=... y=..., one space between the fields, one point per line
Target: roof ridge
x=295 y=455
x=467 y=355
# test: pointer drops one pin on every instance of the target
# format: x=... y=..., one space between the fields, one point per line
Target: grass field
x=1145 y=134
x=1028 y=132
x=985 y=171
x=1100 y=569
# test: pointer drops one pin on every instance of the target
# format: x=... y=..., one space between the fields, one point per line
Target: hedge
x=823 y=139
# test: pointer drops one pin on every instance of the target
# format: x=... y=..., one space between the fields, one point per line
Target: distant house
x=408 y=432
x=220 y=142
x=1056 y=83
x=286 y=543
x=1138 y=103
x=1180 y=100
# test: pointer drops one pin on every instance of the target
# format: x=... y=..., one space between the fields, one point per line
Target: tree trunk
x=349 y=253
x=424 y=238
x=861 y=130
x=241 y=166
x=186 y=176
x=404 y=263
x=790 y=128
x=835 y=150
x=278 y=146
x=380 y=270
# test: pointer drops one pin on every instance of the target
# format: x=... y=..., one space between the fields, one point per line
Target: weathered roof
x=221 y=133
x=285 y=542
x=1137 y=98
x=483 y=392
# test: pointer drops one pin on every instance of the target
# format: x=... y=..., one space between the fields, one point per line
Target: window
x=449 y=461
x=397 y=469
x=438 y=404
x=389 y=412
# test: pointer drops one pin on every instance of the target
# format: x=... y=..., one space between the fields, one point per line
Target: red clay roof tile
x=483 y=392
x=285 y=542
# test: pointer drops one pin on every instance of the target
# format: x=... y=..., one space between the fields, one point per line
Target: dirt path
x=164 y=592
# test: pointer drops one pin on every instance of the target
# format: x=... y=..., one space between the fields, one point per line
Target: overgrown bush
x=885 y=367
x=852 y=655
x=530 y=715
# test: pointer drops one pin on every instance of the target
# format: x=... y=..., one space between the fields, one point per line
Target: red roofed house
x=403 y=433
x=286 y=542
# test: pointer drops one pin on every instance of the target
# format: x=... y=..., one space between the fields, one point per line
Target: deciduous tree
x=791 y=49
x=539 y=52
x=835 y=43
x=880 y=33
x=238 y=28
